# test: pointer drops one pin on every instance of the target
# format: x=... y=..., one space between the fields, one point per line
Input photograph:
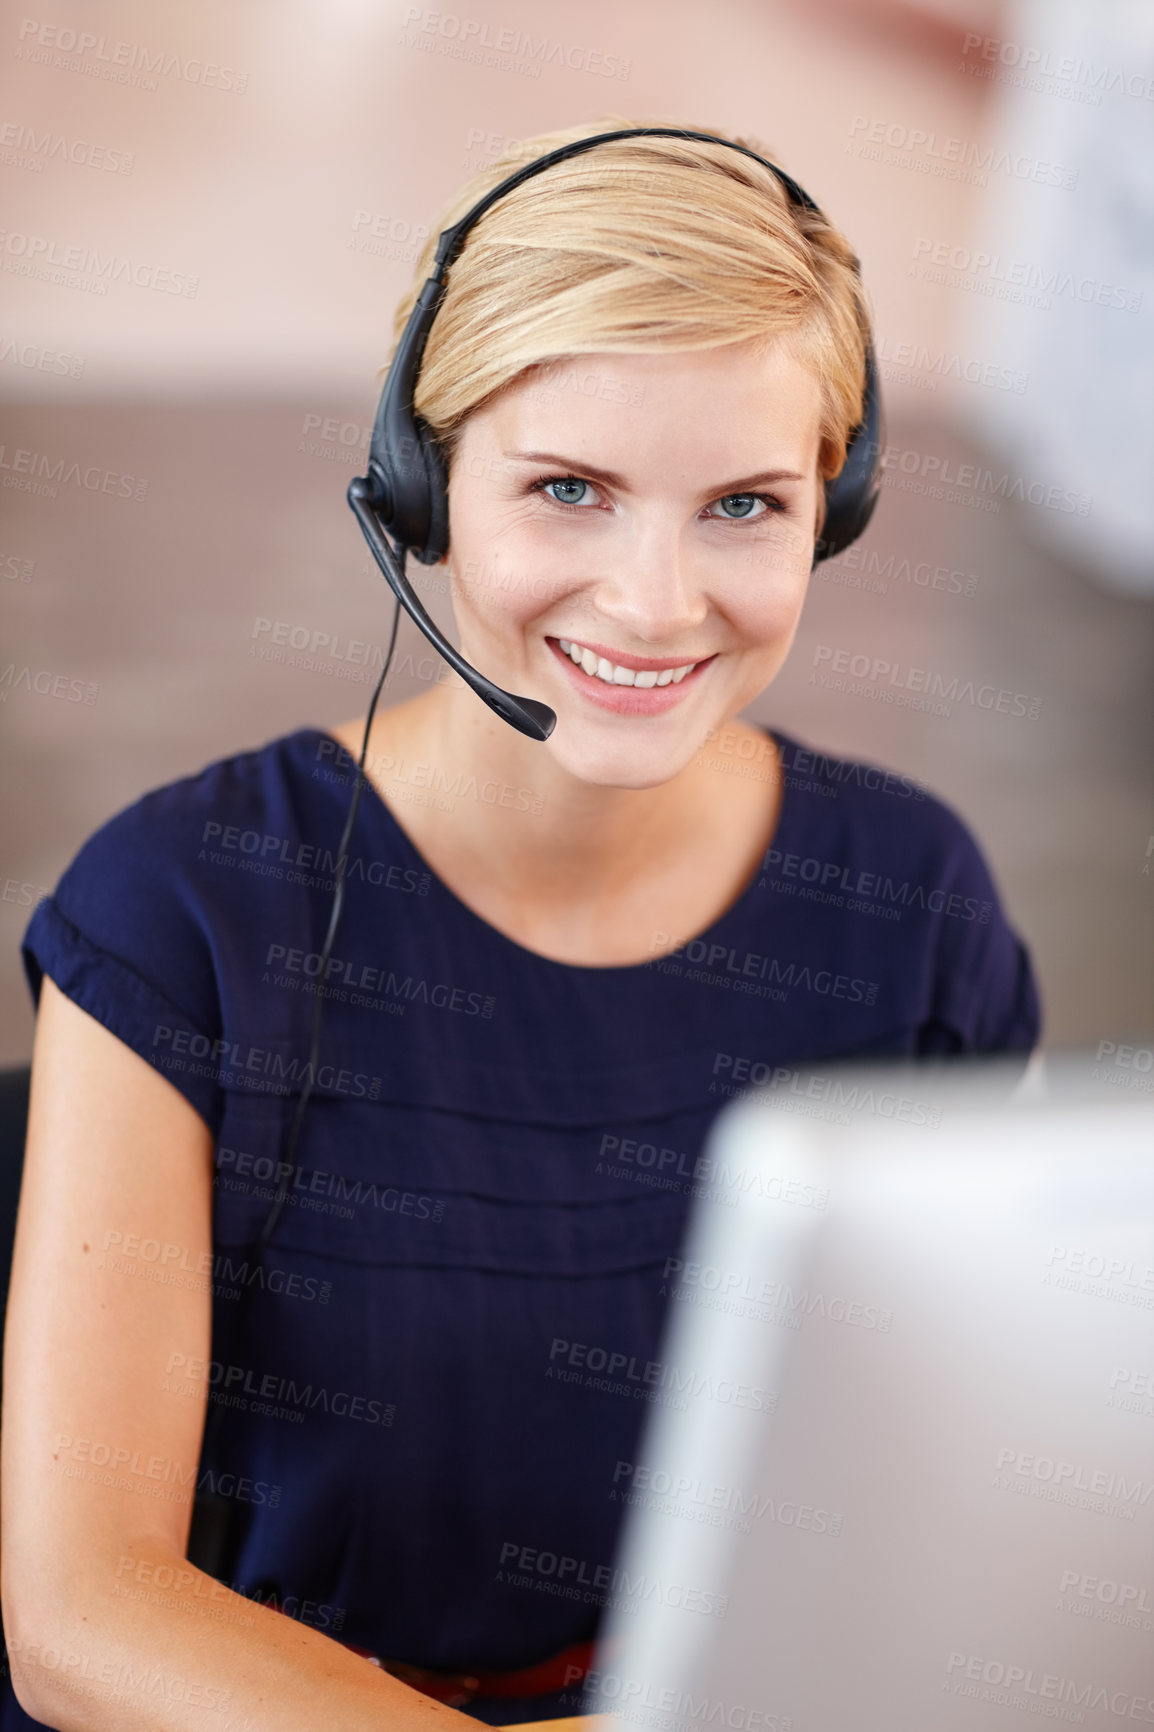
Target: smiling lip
x=639 y=663
x=629 y=700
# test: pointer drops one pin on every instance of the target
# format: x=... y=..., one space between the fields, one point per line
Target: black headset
x=405 y=495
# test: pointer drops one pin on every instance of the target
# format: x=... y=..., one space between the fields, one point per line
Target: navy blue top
x=456 y=1333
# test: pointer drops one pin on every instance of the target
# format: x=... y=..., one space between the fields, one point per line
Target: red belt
x=455 y=1689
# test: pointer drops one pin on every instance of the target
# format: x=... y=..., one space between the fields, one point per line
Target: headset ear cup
x=436 y=541
x=850 y=496
x=399 y=468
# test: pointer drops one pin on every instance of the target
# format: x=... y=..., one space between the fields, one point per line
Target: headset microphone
x=525 y=714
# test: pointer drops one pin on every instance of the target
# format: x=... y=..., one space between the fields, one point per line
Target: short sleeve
x=985 y=997
x=125 y=937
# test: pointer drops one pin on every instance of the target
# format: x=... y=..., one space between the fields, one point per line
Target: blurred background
x=212 y=210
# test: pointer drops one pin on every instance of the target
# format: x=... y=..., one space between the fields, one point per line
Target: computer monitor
x=898 y=1474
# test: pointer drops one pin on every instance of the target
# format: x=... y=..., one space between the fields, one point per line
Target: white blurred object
x=1073 y=84
x=896 y=1476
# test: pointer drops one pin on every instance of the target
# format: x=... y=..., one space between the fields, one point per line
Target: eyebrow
x=612 y=479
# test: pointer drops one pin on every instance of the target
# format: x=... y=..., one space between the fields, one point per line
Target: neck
x=497 y=796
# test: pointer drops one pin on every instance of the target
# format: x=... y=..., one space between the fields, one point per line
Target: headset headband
x=407 y=483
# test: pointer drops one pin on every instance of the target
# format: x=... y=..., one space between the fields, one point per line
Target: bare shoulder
x=348 y=734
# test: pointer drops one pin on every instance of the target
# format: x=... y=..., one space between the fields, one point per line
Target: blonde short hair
x=641 y=245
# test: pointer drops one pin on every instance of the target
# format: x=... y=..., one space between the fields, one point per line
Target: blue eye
x=571 y=490
x=571 y=493
x=745 y=503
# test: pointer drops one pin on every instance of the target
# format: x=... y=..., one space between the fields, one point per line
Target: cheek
x=499 y=573
x=765 y=610
x=504 y=585
x=496 y=599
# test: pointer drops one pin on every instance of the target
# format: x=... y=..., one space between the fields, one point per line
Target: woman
x=553 y=960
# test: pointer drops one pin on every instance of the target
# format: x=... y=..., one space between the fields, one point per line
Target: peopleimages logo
x=171 y=1264
x=582 y=1573
x=506 y=48
x=46 y=685
x=72 y=50
x=643 y=1700
x=1076 y=1484
x=23 y=147
x=119 y=1459
x=128 y=1681
x=299 y=1397
x=882 y=574
x=754 y=966
x=879 y=677
x=1106 y=1592
x=715 y=1169
x=1016 y=1686
x=319 y=1183
x=679 y=1276
x=872 y=886
x=40 y=359
x=811 y=772
x=365 y=980
x=924 y=365
x=36 y=252
x=715 y=1505
x=948 y=157
x=231 y=1063
x=53 y=471
x=758 y=1080
x=970 y=481
x=1075 y=1263
x=569 y=1357
x=266 y=853
x=1031 y=66
x=1016 y=279
x=388 y=237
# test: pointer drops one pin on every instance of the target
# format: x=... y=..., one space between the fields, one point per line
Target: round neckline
x=380 y=804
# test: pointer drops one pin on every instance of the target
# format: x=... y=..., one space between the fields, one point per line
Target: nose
x=652 y=592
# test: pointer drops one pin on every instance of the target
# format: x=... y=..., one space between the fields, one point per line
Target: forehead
x=745 y=406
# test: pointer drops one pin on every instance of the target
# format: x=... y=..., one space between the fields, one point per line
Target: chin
x=625 y=762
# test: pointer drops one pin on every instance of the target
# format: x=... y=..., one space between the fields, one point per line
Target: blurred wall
x=279 y=158
x=210 y=213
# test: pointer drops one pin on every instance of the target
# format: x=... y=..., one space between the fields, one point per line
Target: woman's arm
x=107 y=1624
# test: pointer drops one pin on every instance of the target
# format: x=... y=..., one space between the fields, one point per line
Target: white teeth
x=601 y=668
